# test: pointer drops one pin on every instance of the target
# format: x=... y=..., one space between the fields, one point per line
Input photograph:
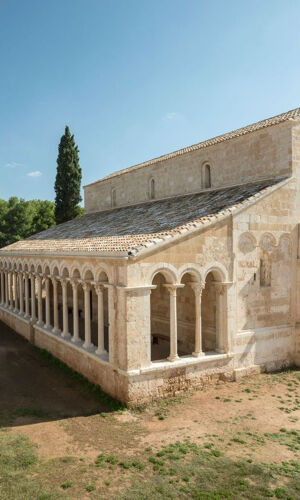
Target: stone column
x=198 y=288
x=14 y=292
x=65 y=332
x=75 y=337
x=26 y=296
x=55 y=306
x=47 y=289
x=87 y=316
x=2 y=289
x=173 y=321
x=21 y=293
x=6 y=290
x=10 y=286
x=33 y=314
x=100 y=348
x=40 y=300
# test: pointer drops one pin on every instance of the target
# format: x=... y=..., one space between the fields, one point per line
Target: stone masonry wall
x=261 y=154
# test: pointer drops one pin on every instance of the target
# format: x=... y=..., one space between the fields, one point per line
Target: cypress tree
x=68 y=180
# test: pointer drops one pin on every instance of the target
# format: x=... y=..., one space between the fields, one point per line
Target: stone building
x=185 y=268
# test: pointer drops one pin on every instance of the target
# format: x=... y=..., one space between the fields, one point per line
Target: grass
x=183 y=469
x=110 y=403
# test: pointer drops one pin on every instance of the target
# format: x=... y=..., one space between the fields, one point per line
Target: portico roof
x=128 y=231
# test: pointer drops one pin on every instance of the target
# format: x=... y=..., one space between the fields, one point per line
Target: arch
x=219 y=272
x=206 y=175
x=267 y=241
x=152 y=188
x=247 y=242
x=88 y=274
x=65 y=272
x=103 y=268
x=167 y=270
x=192 y=270
x=75 y=273
x=39 y=269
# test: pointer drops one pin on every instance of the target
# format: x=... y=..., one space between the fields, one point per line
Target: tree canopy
x=68 y=180
x=20 y=219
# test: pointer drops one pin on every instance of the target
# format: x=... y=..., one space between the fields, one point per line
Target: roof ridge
x=267 y=122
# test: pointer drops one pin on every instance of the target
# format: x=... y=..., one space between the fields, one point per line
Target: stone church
x=183 y=270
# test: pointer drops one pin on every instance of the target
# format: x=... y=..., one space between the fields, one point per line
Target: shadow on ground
x=33 y=388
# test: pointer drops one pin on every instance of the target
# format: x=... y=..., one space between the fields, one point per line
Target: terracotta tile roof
x=294 y=114
x=130 y=230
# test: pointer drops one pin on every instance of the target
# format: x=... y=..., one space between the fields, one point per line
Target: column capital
x=222 y=286
x=197 y=286
x=98 y=288
x=172 y=287
x=64 y=282
x=54 y=280
x=86 y=285
x=74 y=283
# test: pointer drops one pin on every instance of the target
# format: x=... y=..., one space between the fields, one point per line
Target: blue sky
x=135 y=79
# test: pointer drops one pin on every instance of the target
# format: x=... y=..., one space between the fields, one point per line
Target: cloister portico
x=52 y=302
x=183 y=271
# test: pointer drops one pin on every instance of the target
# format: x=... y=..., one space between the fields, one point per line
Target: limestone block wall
x=261 y=154
x=265 y=246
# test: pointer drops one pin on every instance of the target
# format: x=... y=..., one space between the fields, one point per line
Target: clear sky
x=135 y=79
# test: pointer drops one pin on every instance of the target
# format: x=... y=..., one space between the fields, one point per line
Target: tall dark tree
x=68 y=180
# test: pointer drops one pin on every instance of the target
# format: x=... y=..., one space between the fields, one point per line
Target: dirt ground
x=254 y=419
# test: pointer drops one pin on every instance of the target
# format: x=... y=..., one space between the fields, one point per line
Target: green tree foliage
x=20 y=219
x=68 y=180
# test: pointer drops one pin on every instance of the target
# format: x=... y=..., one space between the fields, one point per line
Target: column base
x=56 y=331
x=39 y=323
x=66 y=335
x=76 y=340
x=101 y=352
x=173 y=357
x=221 y=351
x=89 y=346
x=199 y=354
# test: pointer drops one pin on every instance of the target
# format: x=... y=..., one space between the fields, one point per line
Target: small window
x=113 y=197
x=206 y=176
x=152 y=189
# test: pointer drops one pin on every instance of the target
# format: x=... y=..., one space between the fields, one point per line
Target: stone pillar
x=14 y=291
x=40 y=300
x=75 y=337
x=65 y=332
x=6 y=290
x=222 y=345
x=33 y=313
x=26 y=296
x=47 y=289
x=100 y=348
x=173 y=321
x=55 y=306
x=198 y=288
x=10 y=288
x=87 y=316
x=21 y=293
x=2 y=288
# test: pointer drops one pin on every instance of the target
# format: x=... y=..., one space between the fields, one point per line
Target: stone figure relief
x=265 y=269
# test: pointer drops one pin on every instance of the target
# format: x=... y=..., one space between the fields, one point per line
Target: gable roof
x=293 y=114
x=129 y=230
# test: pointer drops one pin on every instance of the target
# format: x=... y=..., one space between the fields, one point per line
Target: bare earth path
x=255 y=421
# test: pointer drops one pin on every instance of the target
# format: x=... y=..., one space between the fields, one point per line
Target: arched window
x=113 y=197
x=152 y=189
x=206 y=176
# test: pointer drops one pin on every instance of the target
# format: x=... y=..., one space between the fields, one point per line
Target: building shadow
x=35 y=388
